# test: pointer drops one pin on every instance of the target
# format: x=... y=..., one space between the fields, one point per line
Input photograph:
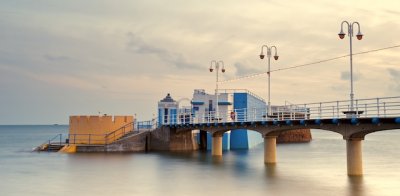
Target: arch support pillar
x=270 y=149
x=216 y=148
x=354 y=157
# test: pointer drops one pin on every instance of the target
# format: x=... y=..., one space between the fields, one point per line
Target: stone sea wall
x=295 y=136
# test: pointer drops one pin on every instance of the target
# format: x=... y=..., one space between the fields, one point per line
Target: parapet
x=96 y=126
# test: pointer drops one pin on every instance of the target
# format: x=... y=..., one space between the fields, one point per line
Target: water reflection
x=356 y=186
x=270 y=170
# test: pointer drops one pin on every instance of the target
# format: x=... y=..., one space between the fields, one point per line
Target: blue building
x=238 y=100
x=231 y=100
x=167 y=110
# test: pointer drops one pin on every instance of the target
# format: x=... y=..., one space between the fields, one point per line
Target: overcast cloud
x=59 y=58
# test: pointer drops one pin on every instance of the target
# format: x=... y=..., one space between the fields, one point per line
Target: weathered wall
x=182 y=141
x=92 y=129
x=165 y=138
x=294 y=136
x=133 y=143
x=159 y=139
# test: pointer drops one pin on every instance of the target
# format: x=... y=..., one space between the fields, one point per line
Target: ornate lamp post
x=269 y=71
x=350 y=32
x=217 y=65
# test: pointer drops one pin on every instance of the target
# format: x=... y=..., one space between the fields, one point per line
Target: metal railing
x=104 y=139
x=47 y=143
x=87 y=139
x=114 y=135
x=363 y=108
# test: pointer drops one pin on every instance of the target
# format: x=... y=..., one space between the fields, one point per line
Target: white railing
x=363 y=108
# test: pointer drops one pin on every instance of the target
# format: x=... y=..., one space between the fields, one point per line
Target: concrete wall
x=92 y=129
x=295 y=136
x=165 y=138
x=134 y=143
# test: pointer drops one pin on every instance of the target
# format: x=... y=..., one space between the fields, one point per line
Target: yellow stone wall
x=92 y=129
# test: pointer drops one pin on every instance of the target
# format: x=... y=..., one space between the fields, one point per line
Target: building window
x=166 y=115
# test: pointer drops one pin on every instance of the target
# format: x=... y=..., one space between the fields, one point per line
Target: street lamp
x=359 y=36
x=269 y=71
x=217 y=65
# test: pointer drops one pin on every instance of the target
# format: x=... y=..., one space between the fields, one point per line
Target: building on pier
x=232 y=103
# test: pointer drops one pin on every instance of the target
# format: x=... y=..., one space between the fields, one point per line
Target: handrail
x=87 y=139
x=363 y=108
x=48 y=142
x=114 y=135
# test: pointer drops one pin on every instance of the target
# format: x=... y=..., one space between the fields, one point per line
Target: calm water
x=316 y=168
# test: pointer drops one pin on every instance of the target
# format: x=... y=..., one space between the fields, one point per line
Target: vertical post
x=216 y=92
x=354 y=157
x=320 y=110
x=216 y=149
x=351 y=68
x=384 y=109
x=269 y=81
x=270 y=149
x=337 y=109
x=366 y=111
x=377 y=106
x=356 y=115
x=305 y=112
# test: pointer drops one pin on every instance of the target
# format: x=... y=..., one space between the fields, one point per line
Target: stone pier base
x=354 y=157
x=269 y=149
x=216 y=149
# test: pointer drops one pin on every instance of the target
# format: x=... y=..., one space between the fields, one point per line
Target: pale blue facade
x=167 y=110
x=238 y=100
x=244 y=103
x=243 y=138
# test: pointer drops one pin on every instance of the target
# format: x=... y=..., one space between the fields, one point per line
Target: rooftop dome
x=168 y=98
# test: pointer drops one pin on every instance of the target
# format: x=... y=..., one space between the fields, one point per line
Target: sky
x=72 y=57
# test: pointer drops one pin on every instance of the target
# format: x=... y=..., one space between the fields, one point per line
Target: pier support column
x=216 y=148
x=354 y=157
x=270 y=149
x=203 y=140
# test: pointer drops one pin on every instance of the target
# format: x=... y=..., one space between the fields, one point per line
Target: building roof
x=168 y=98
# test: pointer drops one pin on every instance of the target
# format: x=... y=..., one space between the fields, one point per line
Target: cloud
x=242 y=69
x=55 y=58
x=395 y=85
x=346 y=76
x=139 y=46
x=392 y=12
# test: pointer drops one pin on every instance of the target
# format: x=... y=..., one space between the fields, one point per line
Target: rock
x=295 y=136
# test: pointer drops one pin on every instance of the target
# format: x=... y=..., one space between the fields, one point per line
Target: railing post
x=333 y=111
x=337 y=109
x=320 y=110
x=254 y=114
x=366 y=114
x=377 y=106
x=60 y=139
x=291 y=112
x=384 y=109
x=305 y=112
x=357 y=108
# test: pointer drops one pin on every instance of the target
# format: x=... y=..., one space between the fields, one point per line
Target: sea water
x=315 y=168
